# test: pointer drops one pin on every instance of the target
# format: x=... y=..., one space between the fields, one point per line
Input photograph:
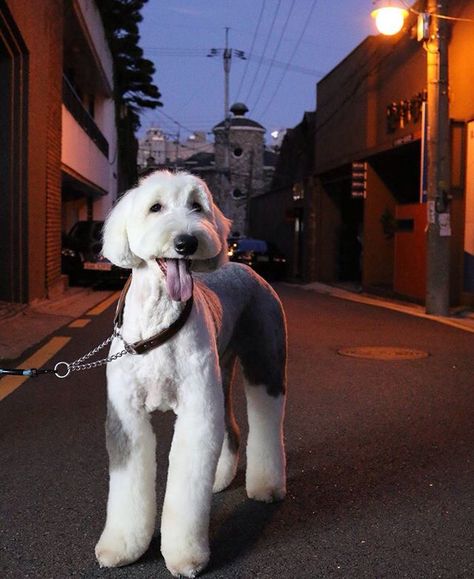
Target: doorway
x=13 y=161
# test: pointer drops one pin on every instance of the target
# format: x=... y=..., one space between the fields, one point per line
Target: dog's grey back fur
x=250 y=323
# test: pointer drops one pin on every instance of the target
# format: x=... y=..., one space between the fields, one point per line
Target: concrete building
x=159 y=149
x=57 y=136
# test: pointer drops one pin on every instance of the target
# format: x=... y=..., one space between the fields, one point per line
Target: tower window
x=237 y=194
x=238 y=152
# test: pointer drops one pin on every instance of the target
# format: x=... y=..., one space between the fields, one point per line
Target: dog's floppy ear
x=223 y=229
x=115 y=239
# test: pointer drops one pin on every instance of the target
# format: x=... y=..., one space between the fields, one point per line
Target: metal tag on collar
x=130 y=348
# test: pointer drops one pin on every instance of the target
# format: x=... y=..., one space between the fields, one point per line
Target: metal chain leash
x=63 y=369
x=78 y=365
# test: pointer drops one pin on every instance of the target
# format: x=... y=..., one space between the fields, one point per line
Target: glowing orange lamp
x=389 y=19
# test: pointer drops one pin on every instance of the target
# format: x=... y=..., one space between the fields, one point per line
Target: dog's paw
x=266 y=493
x=225 y=474
x=113 y=551
x=185 y=557
x=190 y=567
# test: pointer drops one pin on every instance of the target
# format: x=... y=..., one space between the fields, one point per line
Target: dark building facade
x=285 y=213
x=370 y=112
x=57 y=137
x=356 y=211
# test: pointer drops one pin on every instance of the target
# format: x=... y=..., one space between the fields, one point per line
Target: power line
x=365 y=75
x=175 y=121
x=308 y=20
x=275 y=52
x=184 y=53
x=442 y=16
x=267 y=40
x=169 y=124
x=250 y=52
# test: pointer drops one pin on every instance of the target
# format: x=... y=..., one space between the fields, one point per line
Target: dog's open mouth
x=179 y=281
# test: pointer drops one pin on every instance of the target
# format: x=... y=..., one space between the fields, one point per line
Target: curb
x=461 y=323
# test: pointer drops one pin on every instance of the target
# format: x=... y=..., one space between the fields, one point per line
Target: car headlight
x=66 y=252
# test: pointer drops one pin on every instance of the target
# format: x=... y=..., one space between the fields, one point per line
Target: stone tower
x=239 y=148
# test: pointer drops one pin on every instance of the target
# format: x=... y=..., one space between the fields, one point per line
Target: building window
x=82 y=116
x=238 y=152
x=237 y=193
x=298 y=191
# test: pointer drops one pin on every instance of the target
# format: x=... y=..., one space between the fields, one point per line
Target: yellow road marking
x=103 y=305
x=79 y=323
x=9 y=384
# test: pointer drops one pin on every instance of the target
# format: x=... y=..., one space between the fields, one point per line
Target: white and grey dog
x=165 y=230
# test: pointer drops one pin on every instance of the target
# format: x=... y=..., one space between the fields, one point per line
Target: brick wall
x=53 y=160
x=41 y=27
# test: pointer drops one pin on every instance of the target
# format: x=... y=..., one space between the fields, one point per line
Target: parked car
x=262 y=256
x=81 y=257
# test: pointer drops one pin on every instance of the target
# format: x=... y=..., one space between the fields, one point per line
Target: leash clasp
x=65 y=372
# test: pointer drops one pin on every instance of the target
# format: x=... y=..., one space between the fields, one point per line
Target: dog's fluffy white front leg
x=131 y=507
x=197 y=441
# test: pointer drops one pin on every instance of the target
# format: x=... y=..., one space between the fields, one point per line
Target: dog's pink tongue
x=178 y=280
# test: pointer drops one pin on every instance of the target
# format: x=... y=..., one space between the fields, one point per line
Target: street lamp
x=389 y=18
x=432 y=30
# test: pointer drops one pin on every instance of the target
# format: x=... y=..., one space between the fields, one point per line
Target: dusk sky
x=290 y=45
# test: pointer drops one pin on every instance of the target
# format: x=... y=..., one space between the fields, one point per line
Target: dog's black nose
x=185 y=244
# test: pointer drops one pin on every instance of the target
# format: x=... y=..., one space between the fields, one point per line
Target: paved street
x=380 y=460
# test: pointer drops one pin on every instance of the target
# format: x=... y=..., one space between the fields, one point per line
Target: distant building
x=158 y=149
x=237 y=167
x=277 y=137
x=239 y=146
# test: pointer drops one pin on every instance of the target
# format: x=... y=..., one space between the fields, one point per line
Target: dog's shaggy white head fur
x=149 y=221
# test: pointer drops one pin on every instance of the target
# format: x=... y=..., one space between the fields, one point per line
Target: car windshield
x=257 y=245
x=84 y=231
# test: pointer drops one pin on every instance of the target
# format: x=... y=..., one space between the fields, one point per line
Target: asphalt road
x=380 y=460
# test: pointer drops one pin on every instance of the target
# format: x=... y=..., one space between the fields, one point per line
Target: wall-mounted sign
x=359 y=180
x=404 y=112
x=403 y=140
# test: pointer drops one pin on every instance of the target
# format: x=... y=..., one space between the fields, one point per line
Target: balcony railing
x=74 y=105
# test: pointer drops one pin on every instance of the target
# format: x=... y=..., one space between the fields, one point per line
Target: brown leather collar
x=143 y=346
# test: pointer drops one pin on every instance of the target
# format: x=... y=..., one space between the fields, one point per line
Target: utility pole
x=438 y=178
x=178 y=136
x=227 y=54
x=227 y=57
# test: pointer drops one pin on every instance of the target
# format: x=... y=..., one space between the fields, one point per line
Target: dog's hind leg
x=262 y=351
x=229 y=457
x=131 y=507
x=265 y=474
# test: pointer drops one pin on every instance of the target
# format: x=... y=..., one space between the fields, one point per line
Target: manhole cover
x=383 y=353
